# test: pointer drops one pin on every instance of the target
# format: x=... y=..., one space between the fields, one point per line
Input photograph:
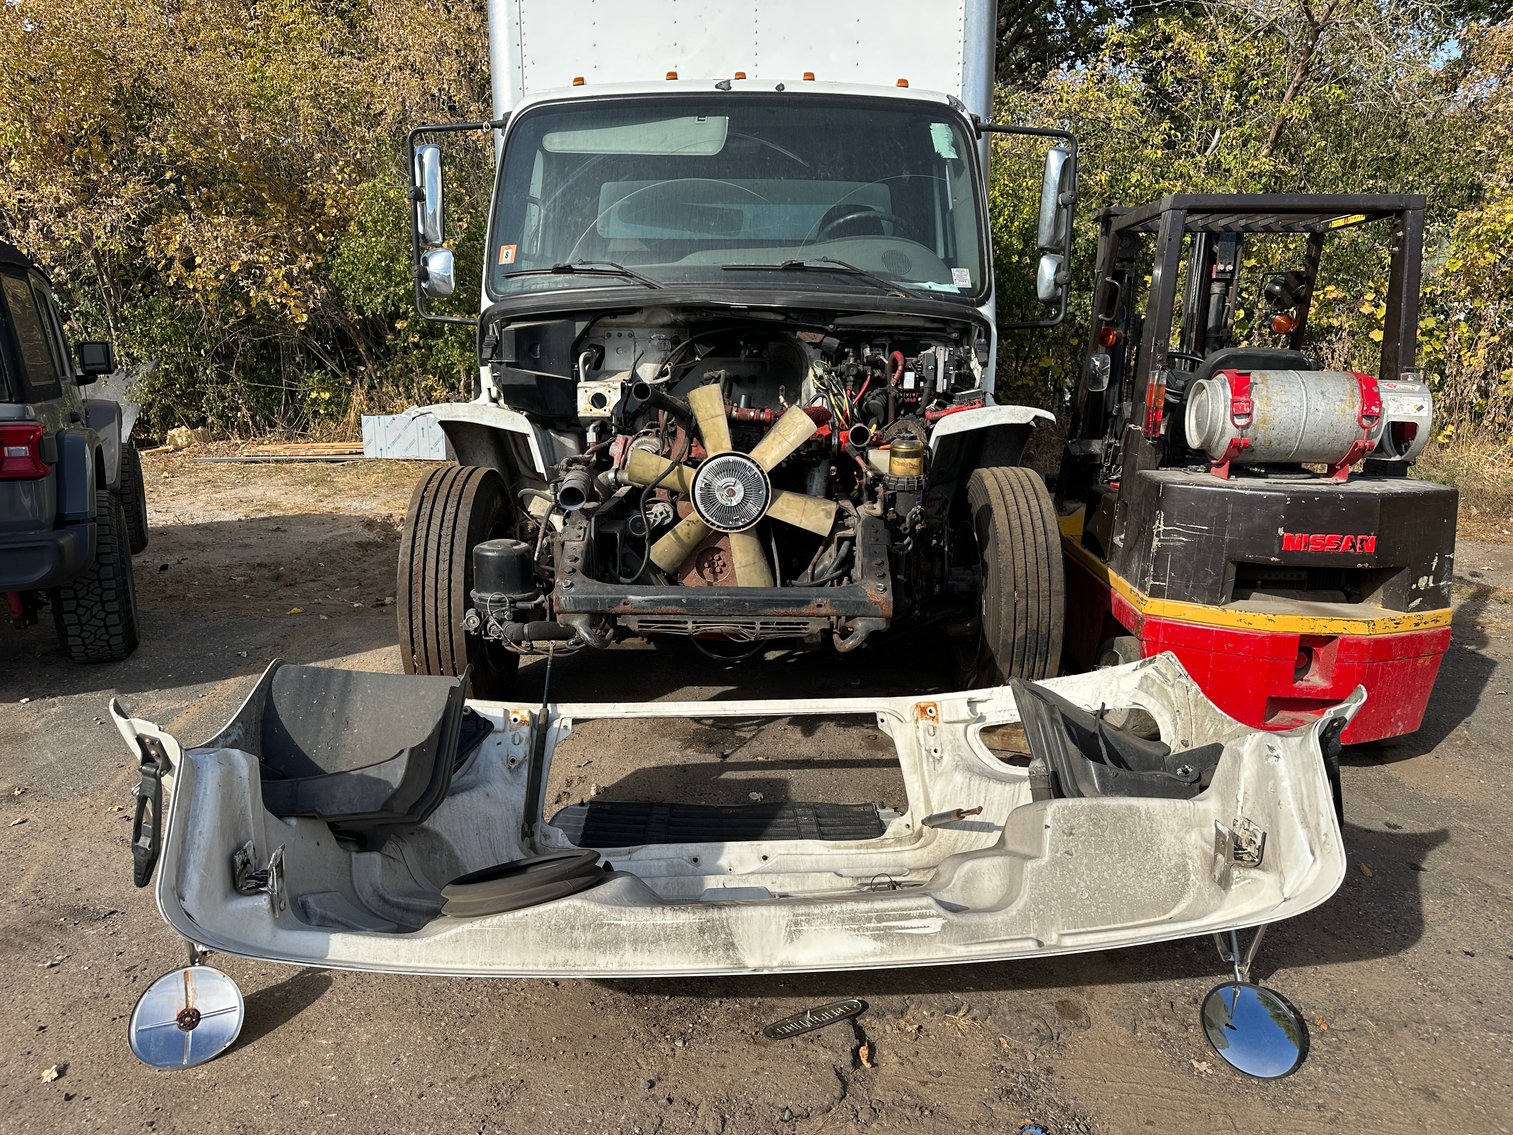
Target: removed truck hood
x=1097 y=838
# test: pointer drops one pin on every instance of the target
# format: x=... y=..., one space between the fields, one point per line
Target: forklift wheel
x=451 y=512
x=1009 y=532
x=1119 y=651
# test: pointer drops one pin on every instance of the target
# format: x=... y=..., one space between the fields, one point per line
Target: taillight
x=21 y=452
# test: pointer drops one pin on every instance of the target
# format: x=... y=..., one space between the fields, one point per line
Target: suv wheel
x=96 y=612
x=453 y=510
x=133 y=498
x=1008 y=532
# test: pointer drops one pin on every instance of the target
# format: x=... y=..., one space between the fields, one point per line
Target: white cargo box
x=943 y=45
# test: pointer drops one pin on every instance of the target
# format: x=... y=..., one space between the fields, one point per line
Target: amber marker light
x=578 y=80
x=1108 y=337
x=903 y=83
x=1283 y=323
x=808 y=76
x=672 y=75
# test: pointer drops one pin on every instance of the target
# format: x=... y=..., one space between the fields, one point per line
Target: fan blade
x=749 y=561
x=813 y=513
x=672 y=549
x=792 y=430
x=645 y=467
x=708 y=403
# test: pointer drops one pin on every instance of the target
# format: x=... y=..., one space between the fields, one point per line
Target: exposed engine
x=734 y=456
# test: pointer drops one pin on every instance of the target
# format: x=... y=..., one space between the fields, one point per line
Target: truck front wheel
x=1007 y=531
x=452 y=511
x=95 y=613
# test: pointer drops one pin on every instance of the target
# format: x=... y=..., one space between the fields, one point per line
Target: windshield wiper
x=823 y=264
x=591 y=268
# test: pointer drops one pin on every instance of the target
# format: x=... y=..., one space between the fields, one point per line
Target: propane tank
x=1266 y=417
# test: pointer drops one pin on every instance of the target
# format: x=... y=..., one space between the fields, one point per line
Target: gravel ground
x=1406 y=975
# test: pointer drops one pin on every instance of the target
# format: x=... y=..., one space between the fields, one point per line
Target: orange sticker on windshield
x=507 y=253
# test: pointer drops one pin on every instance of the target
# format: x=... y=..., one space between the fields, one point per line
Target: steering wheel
x=860 y=213
x=1196 y=360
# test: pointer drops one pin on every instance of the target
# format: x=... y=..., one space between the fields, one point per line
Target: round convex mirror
x=186 y=1017
x=1255 y=1030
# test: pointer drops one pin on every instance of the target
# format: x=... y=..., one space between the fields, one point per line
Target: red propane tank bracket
x=1242 y=408
x=1369 y=417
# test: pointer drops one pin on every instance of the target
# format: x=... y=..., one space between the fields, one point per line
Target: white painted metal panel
x=945 y=45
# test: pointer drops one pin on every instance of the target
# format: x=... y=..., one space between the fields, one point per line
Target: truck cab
x=736 y=342
x=72 y=507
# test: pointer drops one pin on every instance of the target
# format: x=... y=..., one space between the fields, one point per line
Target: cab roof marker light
x=740 y=75
x=672 y=75
x=903 y=83
x=808 y=76
x=579 y=81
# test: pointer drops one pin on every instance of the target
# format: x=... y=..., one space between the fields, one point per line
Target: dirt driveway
x=1407 y=974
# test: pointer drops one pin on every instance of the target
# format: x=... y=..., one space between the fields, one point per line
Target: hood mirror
x=186 y=1017
x=1255 y=1030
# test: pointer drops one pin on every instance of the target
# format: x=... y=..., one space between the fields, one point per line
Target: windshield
x=843 y=194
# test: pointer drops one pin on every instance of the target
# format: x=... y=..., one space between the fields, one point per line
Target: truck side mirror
x=428 y=197
x=438 y=273
x=1058 y=194
x=1048 y=278
x=95 y=361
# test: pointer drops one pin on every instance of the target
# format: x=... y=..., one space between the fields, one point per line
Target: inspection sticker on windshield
x=961 y=277
x=507 y=253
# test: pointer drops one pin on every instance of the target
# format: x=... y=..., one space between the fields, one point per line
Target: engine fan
x=731 y=491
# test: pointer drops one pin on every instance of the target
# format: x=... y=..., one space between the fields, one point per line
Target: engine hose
x=898 y=367
x=819 y=415
x=540 y=631
x=937 y=415
x=659 y=399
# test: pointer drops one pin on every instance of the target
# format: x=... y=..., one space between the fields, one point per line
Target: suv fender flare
x=987 y=435
x=103 y=415
x=76 y=476
x=497 y=437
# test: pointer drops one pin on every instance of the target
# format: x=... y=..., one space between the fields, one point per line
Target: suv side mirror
x=428 y=197
x=95 y=360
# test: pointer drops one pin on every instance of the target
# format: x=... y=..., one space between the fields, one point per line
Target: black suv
x=72 y=508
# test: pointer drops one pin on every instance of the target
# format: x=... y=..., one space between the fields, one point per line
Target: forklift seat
x=1235 y=358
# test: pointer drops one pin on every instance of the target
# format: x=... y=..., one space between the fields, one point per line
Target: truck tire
x=1008 y=531
x=452 y=510
x=133 y=498
x=95 y=613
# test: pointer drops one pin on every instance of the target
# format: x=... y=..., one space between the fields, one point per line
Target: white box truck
x=736 y=341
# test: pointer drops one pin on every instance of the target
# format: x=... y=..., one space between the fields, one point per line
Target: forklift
x=1226 y=496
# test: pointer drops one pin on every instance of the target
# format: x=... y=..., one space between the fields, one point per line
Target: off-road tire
x=95 y=613
x=452 y=511
x=133 y=498
x=1008 y=530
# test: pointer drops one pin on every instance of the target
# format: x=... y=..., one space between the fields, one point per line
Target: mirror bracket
x=1066 y=201
x=419 y=246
